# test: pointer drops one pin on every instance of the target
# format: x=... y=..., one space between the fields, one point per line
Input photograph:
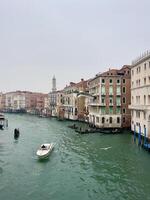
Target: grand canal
x=79 y=167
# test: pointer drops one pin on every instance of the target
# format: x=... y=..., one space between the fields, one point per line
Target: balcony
x=139 y=107
x=118 y=93
x=103 y=93
x=94 y=103
x=103 y=104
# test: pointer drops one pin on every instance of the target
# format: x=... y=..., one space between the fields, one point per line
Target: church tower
x=54 y=84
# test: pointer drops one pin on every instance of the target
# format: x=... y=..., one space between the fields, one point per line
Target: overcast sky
x=72 y=39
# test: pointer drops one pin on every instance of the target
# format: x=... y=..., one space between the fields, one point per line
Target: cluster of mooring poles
x=145 y=144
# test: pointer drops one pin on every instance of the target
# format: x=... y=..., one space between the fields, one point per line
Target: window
x=132 y=72
x=103 y=110
x=118 y=120
x=110 y=81
x=76 y=111
x=132 y=100
x=144 y=66
x=103 y=90
x=118 y=90
x=103 y=120
x=124 y=110
x=149 y=64
x=110 y=120
x=144 y=99
x=144 y=115
x=110 y=110
x=97 y=119
x=145 y=81
x=124 y=119
x=118 y=81
x=124 y=80
x=148 y=99
x=118 y=101
x=103 y=100
x=110 y=101
x=124 y=100
x=111 y=90
x=139 y=69
x=124 y=90
x=138 y=114
x=103 y=80
x=118 y=110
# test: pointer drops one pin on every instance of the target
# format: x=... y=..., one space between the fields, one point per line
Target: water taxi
x=44 y=150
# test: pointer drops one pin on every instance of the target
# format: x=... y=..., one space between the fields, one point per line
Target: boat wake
x=106 y=148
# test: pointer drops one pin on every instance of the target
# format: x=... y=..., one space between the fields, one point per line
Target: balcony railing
x=118 y=93
x=139 y=107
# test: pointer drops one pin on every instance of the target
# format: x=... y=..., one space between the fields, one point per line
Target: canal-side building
x=24 y=101
x=111 y=96
x=82 y=100
x=40 y=102
x=75 y=107
x=46 y=110
x=2 y=102
x=60 y=104
x=70 y=101
x=15 y=101
x=140 y=95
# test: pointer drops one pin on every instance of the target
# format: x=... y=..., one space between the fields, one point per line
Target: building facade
x=111 y=96
x=75 y=102
x=140 y=95
x=24 y=101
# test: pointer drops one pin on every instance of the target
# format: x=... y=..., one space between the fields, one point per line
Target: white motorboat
x=44 y=150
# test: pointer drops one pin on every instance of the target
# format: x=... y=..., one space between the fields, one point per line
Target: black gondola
x=16 y=133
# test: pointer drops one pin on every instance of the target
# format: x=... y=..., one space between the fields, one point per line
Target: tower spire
x=54 y=84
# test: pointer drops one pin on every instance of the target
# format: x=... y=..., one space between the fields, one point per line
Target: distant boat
x=44 y=150
x=2 y=121
x=110 y=131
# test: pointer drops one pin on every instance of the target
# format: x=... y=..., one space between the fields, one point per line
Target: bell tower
x=54 y=84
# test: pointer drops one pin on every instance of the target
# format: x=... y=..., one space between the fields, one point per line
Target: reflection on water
x=92 y=166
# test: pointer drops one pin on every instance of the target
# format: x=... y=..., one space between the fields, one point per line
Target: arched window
x=118 y=120
x=110 y=120
x=103 y=120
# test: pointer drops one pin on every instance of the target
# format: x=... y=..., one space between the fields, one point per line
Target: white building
x=70 y=102
x=140 y=95
x=15 y=101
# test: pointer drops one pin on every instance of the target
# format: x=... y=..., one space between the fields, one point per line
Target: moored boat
x=2 y=121
x=44 y=150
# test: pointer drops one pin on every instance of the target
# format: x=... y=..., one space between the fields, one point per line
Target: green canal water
x=79 y=167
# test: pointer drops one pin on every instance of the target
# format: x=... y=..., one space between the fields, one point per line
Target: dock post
x=144 y=135
x=139 y=136
x=134 y=134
